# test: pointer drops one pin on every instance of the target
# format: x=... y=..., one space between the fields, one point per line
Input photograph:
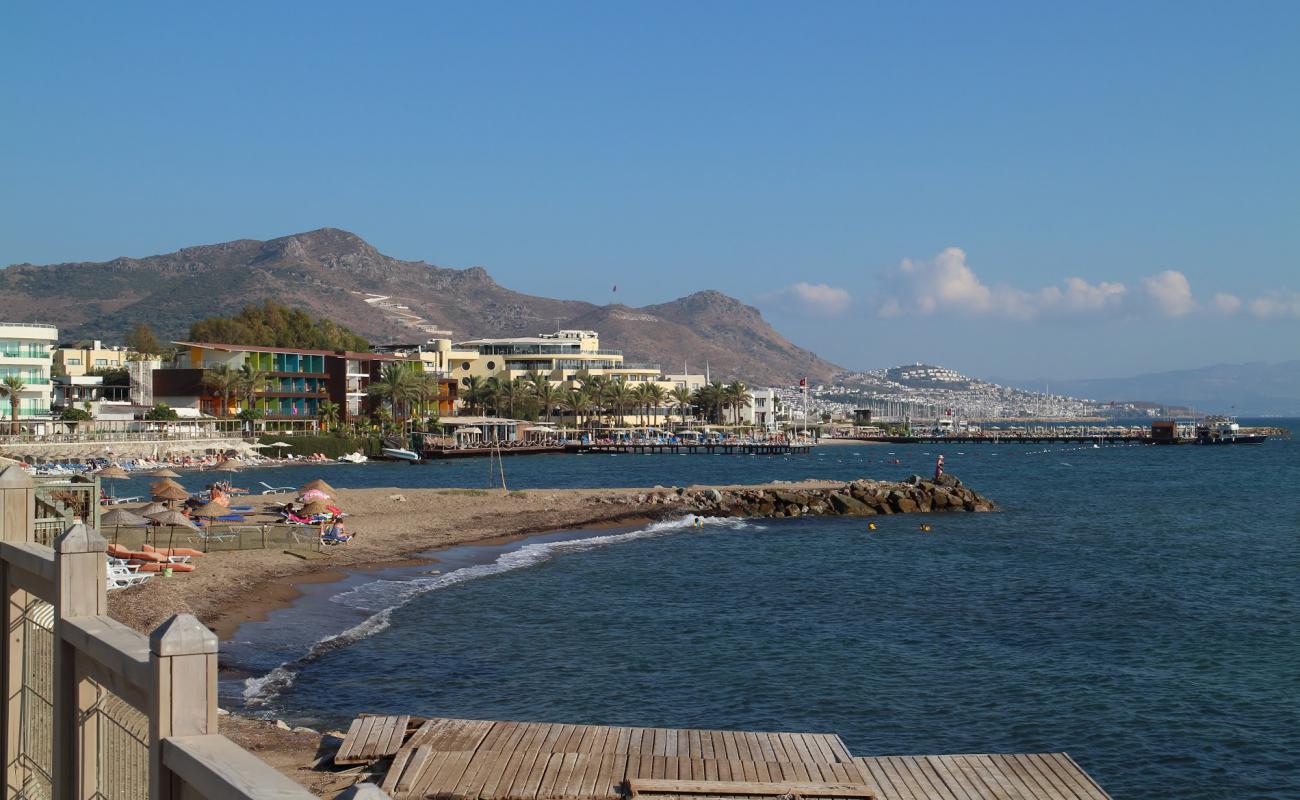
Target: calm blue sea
x=1138 y=607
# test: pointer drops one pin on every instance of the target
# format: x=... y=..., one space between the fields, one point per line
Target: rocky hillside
x=334 y=273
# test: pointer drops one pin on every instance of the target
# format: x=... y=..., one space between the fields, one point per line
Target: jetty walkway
x=736 y=448
x=462 y=759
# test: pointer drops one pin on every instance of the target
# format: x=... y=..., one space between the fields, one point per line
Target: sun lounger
x=269 y=489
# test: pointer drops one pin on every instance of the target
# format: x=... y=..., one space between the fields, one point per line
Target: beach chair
x=269 y=489
x=122 y=574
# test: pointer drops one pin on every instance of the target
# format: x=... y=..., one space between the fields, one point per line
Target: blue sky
x=1021 y=190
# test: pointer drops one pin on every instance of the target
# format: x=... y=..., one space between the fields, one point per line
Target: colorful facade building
x=78 y=359
x=297 y=381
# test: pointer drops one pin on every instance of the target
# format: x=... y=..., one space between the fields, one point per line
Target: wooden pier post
x=17 y=524
x=183 y=657
x=80 y=582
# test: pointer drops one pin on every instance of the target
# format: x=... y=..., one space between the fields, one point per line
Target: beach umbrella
x=171 y=493
x=163 y=473
x=313 y=494
x=113 y=473
x=318 y=484
x=172 y=519
x=121 y=518
x=151 y=508
x=314 y=508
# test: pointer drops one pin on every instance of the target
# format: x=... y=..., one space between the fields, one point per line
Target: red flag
x=803 y=383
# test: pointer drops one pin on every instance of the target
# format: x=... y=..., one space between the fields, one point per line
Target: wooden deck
x=457 y=759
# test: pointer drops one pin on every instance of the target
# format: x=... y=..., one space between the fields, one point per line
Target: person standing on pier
x=938 y=468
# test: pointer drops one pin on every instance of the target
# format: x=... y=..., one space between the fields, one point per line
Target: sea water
x=1137 y=607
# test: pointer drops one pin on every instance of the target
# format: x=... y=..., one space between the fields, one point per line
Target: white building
x=761 y=411
x=25 y=354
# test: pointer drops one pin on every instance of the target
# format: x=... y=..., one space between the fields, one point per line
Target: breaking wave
x=383 y=597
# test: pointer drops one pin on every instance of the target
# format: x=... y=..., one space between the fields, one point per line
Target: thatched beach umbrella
x=121 y=518
x=313 y=508
x=151 y=508
x=112 y=473
x=163 y=473
x=171 y=493
x=172 y=519
x=319 y=484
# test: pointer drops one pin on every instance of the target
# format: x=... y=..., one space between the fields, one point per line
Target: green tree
x=577 y=402
x=275 y=325
x=709 y=400
x=328 y=413
x=222 y=380
x=619 y=399
x=547 y=396
x=651 y=396
x=11 y=387
x=162 y=411
x=398 y=386
x=681 y=397
x=251 y=381
x=141 y=339
x=738 y=397
x=474 y=394
x=73 y=416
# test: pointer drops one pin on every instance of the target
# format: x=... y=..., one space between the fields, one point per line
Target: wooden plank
x=483 y=769
x=395 y=770
x=440 y=781
x=840 y=749
x=1034 y=783
x=546 y=785
x=953 y=778
x=356 y=754
x=379 y=736
x=903 y=776
x=414 y=768
x=930 y=784
x=882 y=780
x=1091 y=786
x=1069 y=774
x=570 y=777
x=641 y=786
x=349 y=741
x=498 y=784
x=528 y=776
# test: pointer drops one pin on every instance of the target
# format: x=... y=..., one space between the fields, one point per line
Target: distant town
x=557 y=378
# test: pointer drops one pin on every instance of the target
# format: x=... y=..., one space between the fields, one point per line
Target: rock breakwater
x=859 y=498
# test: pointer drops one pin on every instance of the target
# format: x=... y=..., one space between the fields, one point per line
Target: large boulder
x=848 y=504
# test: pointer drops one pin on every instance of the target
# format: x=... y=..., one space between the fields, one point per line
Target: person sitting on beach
x=334 y=533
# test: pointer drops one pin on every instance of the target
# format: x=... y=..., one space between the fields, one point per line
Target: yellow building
x=77 y=361
x=559 y=356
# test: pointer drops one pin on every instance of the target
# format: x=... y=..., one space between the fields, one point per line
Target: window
x=492 y=365
x=101 y=362
x=74 y=362
x=464 y=365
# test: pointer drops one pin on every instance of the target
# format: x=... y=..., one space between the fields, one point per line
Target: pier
x=737 y=448
x=461 y=759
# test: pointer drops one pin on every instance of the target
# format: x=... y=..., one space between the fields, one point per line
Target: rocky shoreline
x=860 y=498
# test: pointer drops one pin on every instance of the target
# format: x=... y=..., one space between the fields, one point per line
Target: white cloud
x=947 y=284
x=1226 y=304
x=1276 y=305
x=1170 y=293
x=814 y=299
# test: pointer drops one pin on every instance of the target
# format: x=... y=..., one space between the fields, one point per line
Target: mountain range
x=336 y=274
x=1255 y=388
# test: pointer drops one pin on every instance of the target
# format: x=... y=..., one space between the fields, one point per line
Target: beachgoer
x=938 y=467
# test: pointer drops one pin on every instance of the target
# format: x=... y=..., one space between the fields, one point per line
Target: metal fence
x=123 y=734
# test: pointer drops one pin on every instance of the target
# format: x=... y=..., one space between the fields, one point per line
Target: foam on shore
x=382 y=597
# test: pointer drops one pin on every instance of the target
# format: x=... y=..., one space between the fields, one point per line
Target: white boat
x=354 y=458
x=401 y=454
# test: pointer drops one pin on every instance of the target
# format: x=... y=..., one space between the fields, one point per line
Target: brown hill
x=334 y=273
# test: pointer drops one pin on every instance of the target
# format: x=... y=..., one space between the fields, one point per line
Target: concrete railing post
x=17 y=524
x=183 y=655
x=80 y=576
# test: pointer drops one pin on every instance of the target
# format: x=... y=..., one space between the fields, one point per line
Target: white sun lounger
x=277 y=489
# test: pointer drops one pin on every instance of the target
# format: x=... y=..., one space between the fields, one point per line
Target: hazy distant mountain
x=1255 y=388
x=337 y=274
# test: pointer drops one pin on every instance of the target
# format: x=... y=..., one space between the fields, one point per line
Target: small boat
x=354 y=458
x=401 y=454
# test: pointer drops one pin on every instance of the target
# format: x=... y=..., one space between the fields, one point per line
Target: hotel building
x=25 y=355
x=298 y=380
x=75 y=361
x=559 y=356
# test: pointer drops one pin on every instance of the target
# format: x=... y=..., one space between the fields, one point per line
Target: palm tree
x=427 y=388
x=473 y=393
x=708 y=399
x=398 y=386
x=492 y=390
x=738 y=397
x=251 y=381
x=578 y=402
x=11 y=386
x=223 y=380
x=619 y=397
x=681 y=397
x=328 y=412
x=547 y=396
x=654 y=396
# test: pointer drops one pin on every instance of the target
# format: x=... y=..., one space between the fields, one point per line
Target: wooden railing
x=92 y=708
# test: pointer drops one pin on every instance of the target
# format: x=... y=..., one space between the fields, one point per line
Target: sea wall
x=860 y=498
